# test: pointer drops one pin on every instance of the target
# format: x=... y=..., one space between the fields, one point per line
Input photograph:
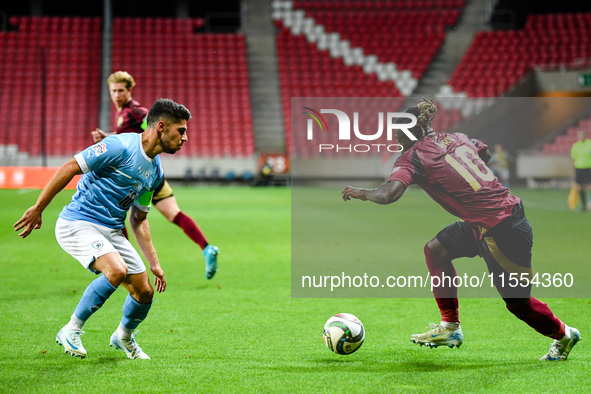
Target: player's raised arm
x=98 y=135
x=386 y=193
x=31 y=219
x=141 y=231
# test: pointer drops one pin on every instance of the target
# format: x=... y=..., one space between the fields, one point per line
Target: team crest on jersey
x=98 y=244
x=119 y=121
x=99 y=148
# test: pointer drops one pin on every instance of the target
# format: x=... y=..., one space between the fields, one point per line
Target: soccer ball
x=343 y=333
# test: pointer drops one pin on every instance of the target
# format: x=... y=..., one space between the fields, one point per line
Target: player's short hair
x=167 y=110
x=122 y=77
x=425 y=112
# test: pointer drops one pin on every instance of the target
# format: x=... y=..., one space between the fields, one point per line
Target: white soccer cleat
x=439 y=336
x=129 y=346
x=70 y=340
x=559 y=351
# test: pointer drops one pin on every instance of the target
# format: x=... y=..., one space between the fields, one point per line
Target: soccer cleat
x=70 y=340
x=211 y=260
x=559 y=351
x=129 y=346
x=439 y=336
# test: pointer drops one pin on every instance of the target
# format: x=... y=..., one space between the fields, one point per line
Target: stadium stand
x=71 y=84
x=564 y=142
x=206 y=72
x=497 y=60
x=349 y=49
x=316 y=74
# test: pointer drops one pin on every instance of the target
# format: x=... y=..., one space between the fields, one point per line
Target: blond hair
x=122 y=77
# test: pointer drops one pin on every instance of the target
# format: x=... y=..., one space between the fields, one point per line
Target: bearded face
x=173 y=137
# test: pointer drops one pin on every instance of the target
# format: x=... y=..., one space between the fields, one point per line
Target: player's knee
x=515 y=302
x=116 y=274
x=436 y=247
x=145 y=294
x=170 y=216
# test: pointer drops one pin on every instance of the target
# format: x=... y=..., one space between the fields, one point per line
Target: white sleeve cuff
x=82 y=163
x=141 y=207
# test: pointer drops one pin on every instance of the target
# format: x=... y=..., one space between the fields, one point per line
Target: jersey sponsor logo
x=99 y=148
x=98 y=244
x=395 y=169
x=140 y=170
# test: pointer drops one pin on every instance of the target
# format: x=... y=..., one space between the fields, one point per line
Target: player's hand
x=350 y=192
x=97 y=135
x=30 y=221
x=159 y=280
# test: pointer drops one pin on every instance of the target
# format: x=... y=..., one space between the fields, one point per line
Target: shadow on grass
x=326 y=364
x=108 y=360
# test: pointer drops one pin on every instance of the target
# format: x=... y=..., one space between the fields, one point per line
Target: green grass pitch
x=242 y=331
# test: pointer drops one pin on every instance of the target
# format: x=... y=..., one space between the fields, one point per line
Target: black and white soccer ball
x=343 y=333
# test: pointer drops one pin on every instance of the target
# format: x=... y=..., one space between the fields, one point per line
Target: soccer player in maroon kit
x=130 y=119
x=451 y=169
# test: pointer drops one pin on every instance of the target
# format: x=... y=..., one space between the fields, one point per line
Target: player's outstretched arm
x=141 y=231
x=32 y=220
x=386 y=193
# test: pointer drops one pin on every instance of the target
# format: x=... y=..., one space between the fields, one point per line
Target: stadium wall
x=561 y=80
x=310 y=171
x=174 y=167
x=535 y=166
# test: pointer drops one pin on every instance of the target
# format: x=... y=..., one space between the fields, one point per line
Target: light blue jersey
x=117 y=172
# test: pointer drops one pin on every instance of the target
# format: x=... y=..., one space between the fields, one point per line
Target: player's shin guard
x=446 y=296
x=191 y=229
x=94 y=297
x=133 y=314
x=538 y=316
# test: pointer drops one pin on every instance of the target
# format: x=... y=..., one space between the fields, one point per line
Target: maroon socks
x=191 y=229
x=539 y=317
x=445 y=295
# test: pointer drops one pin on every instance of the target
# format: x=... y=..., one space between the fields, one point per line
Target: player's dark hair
x=425 y=112
x=167 y=110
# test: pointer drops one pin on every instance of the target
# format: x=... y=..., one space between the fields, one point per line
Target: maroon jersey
x=447 y=166
x=130 y=118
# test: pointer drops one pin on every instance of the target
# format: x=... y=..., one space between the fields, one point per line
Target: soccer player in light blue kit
x=120 y=173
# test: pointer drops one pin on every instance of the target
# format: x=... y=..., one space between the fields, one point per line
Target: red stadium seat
x=304 y=70
x=558 y=39
x=70 y=70
x=72 y=50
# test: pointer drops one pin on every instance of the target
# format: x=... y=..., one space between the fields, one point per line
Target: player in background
x=499 y=163
x=131 y=119
x=451 y=169
x=581 y=154
x=120 y=173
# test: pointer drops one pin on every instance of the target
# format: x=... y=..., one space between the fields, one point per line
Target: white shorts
x=87 y=241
